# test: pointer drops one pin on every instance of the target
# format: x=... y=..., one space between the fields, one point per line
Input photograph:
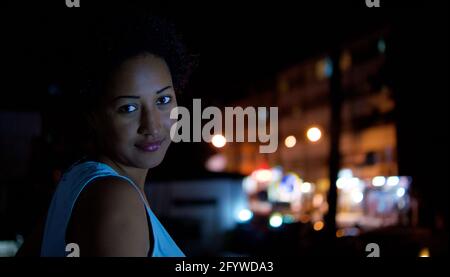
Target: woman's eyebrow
x=163 y=89
x=126 y=96
x=136 y=96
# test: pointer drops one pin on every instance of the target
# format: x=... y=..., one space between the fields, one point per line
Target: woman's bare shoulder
x=109 y=219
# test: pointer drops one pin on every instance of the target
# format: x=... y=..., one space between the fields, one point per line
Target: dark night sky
x=237 y=46
x=244 y=46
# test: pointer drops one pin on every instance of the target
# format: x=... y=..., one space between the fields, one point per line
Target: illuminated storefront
x=284 y=197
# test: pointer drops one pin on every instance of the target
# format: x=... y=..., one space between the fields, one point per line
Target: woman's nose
x=150 y=124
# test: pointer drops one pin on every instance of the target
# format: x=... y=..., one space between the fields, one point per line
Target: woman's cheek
x=167 y=121
x=123 y=128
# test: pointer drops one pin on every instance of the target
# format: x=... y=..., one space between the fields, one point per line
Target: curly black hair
x=112 y=40
x=102 y=47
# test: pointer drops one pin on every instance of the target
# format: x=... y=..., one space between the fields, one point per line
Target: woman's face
x=133 y=124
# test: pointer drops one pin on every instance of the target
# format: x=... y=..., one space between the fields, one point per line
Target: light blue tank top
x=69 y=188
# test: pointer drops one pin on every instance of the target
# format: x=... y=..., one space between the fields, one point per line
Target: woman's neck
x=137 y=175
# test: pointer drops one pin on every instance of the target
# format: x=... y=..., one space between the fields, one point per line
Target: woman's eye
x=163 y=100
x=127 y=109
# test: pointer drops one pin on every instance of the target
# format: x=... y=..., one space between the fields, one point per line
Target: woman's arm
x=109 y=219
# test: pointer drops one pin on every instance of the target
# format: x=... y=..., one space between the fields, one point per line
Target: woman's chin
x=148 y=164
x=147 y=160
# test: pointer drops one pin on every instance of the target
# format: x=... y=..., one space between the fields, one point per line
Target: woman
x=132 y=72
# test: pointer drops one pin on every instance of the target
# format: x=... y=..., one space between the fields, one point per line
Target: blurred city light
x=305 y=187
x=8 y=248
x=424 y=252
x=314 y=134
x=345 y=61
x=324 y=68
x=347 y=183
x=263 y=175
x=357 y=196
x=392 y=181
x=288 y=189
x=400 y=192
x=317 y=200
x=218 y=141
x=249 y=184
x=290 y=141
x=216 y=163
x=328 y=70
x=345 y=173
x=340 y=183
x=381 y=45
x=276 y=220
x=378 y=181
x=318 y=225
x=347 y=232
x=245 y=215
x=288 y=219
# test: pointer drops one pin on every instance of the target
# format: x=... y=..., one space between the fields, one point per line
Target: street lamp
x=218 y=141
x=290 y=141
x=314 y=134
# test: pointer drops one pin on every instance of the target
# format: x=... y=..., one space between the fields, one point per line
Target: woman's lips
x=150 y=146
